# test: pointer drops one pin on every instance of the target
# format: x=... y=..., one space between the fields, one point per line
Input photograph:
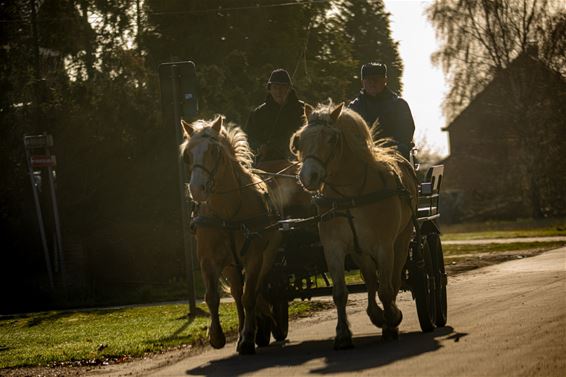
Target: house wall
x=508 y=149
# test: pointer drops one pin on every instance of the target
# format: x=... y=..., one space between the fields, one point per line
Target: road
x=504 y=320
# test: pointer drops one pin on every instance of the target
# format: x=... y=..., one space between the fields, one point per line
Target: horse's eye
x=295 y=144
x=333 y=138
x=215 y=150
x=187 y=157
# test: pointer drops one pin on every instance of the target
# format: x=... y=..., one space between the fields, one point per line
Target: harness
x=251 y=228
x=341 y=207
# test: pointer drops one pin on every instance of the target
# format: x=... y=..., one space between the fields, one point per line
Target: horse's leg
x=246 y=343
x=387 y=293
x=210 y=276
x=236 y=280
x=369 y=272
x=335 y=261
x=401 y=250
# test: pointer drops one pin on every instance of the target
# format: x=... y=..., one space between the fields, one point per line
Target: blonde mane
x=358 y=137
x=234 y=142
x=232 y=139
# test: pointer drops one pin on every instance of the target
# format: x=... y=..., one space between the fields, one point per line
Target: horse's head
x=202 y=151
x=316 y=145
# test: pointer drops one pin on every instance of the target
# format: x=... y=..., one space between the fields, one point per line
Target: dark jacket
x=393 y=113
x=271 y=126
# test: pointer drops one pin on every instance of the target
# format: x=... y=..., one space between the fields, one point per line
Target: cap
x=279 y=76
x=373 y=69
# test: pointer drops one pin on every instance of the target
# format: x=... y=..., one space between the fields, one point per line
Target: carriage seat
x=429 y=191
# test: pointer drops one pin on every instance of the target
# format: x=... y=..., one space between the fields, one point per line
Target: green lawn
x=454 y=250
x=98 y=335
x=505 y=229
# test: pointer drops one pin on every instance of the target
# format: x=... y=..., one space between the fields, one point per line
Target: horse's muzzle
x=311 y=176
x=199 y=193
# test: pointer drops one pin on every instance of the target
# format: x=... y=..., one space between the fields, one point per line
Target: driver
x=272 y=123
x=377 y=102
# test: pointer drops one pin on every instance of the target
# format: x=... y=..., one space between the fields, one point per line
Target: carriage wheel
x=263 y=331
x=281 y=316
x=423 y=286
x=440 y=279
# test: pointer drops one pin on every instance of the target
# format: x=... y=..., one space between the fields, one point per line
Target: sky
x=424 y=86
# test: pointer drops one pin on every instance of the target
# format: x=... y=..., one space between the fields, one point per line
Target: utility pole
x=179 y=100
x=36 y=66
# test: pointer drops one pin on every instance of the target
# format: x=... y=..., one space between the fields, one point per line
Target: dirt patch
x=139 y=366
x=466 y=262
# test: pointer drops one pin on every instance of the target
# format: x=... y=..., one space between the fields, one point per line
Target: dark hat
x=279 y=76
x=374 y=69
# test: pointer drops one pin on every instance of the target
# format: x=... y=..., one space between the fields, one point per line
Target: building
x=508 y=147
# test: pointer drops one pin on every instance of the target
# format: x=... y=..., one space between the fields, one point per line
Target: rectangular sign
x=38 y=141
x=42 y=161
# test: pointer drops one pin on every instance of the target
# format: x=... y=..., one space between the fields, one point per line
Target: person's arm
x=405 y=127
x=249 y=128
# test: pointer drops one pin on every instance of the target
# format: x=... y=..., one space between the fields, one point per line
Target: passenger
x=377 y=102
x=272 y=123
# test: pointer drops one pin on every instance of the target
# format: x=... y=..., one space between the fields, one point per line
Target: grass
x=505 y=229
x=95 y=336
x=455 y=250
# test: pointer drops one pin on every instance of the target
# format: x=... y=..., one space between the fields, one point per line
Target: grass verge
x=97 y=336
x=455 y=250
x=515 y=229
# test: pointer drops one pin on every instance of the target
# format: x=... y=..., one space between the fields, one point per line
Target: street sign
x=38 y=141
x=179 y=88
x=42 y=161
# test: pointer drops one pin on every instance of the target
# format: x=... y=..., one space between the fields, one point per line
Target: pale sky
x=423 y=84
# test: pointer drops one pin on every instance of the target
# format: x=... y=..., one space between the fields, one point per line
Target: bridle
x=211 y=173
x=330 y=157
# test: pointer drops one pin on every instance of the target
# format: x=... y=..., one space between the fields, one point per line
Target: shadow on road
x=369 y=352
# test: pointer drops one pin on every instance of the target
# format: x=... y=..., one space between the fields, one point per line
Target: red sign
x=39 y=161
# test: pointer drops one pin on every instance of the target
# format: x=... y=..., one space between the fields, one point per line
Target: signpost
x=42 y=158
x=179 y=99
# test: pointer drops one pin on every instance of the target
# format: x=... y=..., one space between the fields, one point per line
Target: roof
x=526 y=58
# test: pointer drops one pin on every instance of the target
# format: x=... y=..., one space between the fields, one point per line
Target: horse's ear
x=294 y=143
x=336 y=112
x=308 y=110
x=187 y=129
x=217 y=124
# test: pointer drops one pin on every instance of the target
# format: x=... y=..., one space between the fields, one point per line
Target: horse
x=367 y=198
x=233 y=226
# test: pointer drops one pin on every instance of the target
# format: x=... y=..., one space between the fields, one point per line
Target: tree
x=482 y=37
x=366 y=25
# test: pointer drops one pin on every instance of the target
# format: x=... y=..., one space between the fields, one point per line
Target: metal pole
x=40 y=222
x=36 y=66
x=182 y=180
x=58 y=239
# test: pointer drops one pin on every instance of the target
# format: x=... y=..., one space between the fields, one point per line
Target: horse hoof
x=218 y=342
x=246 y=348
x=390 y=334
x=395 y=322
x=343 y=343
x=376 y=318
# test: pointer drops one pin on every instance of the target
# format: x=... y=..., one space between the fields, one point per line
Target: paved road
x=504 y=320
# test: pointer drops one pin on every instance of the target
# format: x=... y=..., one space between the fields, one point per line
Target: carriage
x=390 y=232
x=300 y=270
